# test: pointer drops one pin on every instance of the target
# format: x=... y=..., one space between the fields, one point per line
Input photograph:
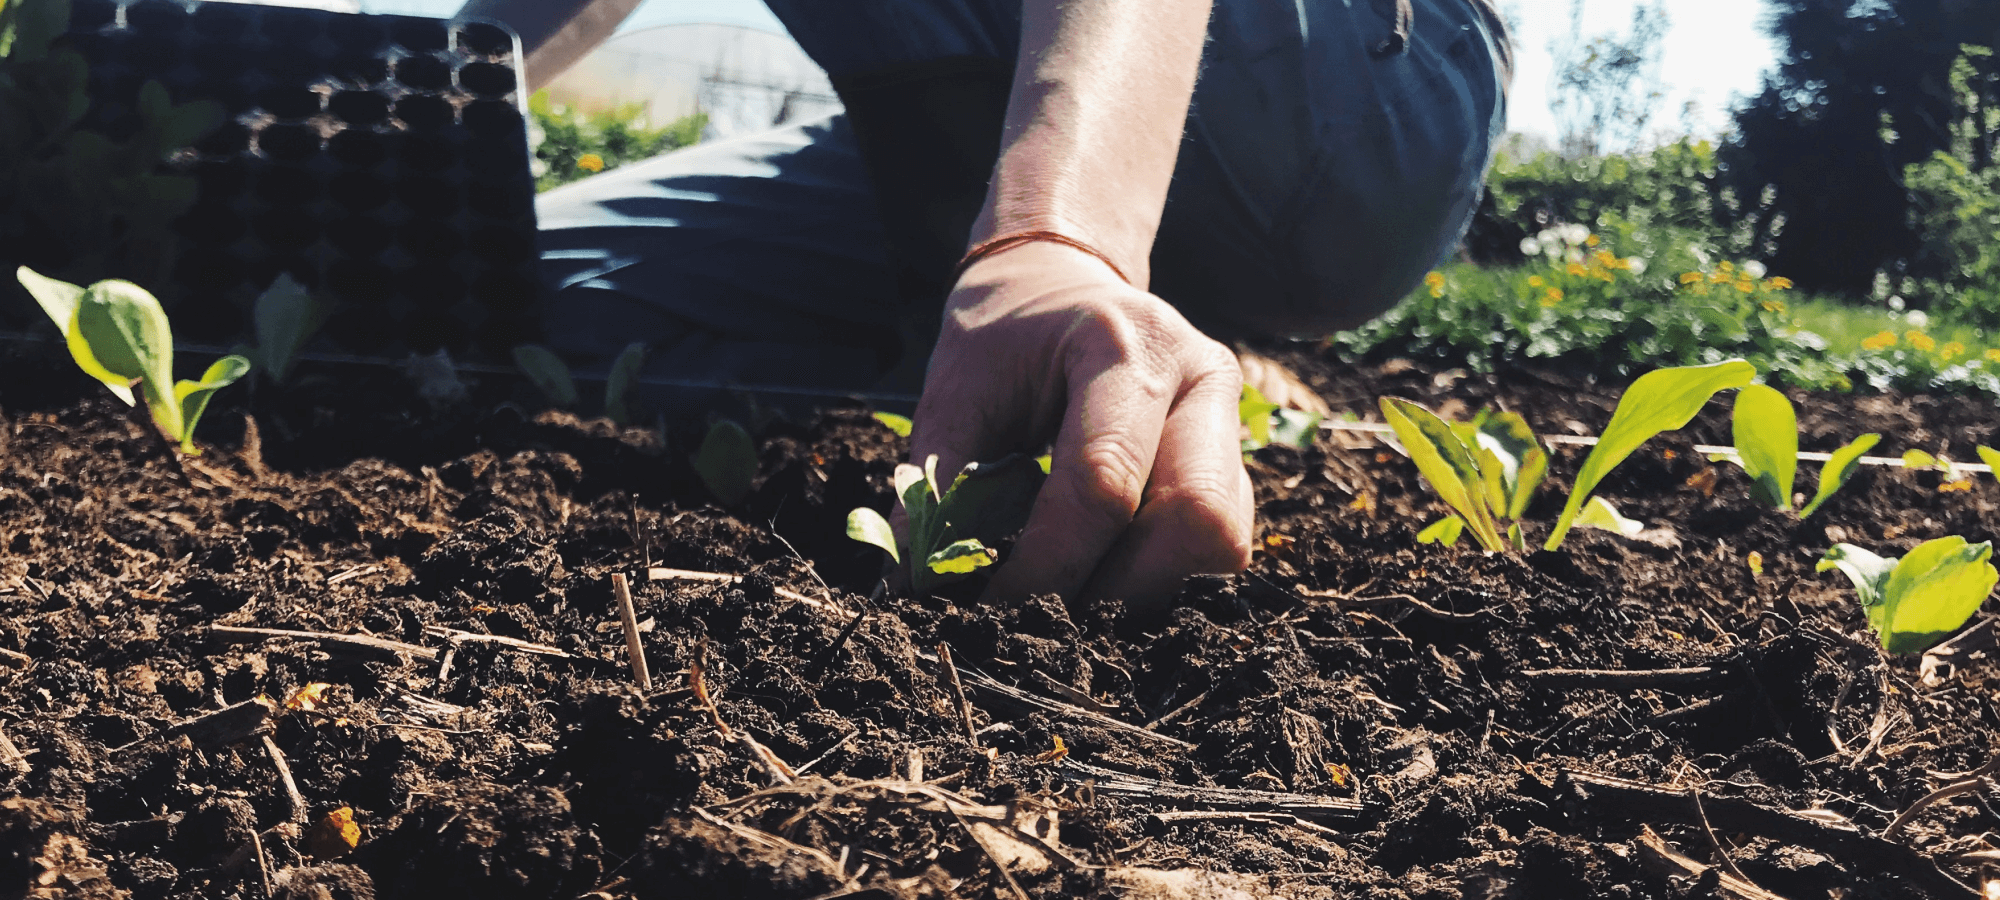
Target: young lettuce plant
x=119 y=335
x=1486 y=471
x=1916 y=601
x=727 y=461
x=1266 y=423
x=551 y=376
x=1766 y=431
x=954 y=532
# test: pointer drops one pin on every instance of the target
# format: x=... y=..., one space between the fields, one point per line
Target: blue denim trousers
x=1332 y=156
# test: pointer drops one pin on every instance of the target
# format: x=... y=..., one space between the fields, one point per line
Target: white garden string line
x=1704 y=449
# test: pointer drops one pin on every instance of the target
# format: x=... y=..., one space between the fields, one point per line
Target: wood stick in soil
x=1012 y=696
x=297 y=799
x=1638 y=800
x=958 y=694
x=12 y=755
x=1167 y=793
x=1971 y=781
x=662 y=573
x=1624 y=679
x=220 y=728
x=630 y=619
x=1656 y=855
x=353 y=643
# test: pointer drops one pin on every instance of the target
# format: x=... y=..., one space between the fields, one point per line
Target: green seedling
x=954 y=532
x=1600 y=514
x=901 y=425
x=1832 y=476
x=1921 y=460
x=1991 y=458
x=1266 y=423
x=1767 y=443
x=727 y=462
x=119 y=335
x=1915 y=602
x=286 y=316
x=1661 y=400
x=551 y=376
x=1486 y=470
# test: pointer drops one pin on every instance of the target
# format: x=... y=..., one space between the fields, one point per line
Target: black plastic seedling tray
x=381 y=160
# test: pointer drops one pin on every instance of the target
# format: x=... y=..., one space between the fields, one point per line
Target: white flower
x=1896 y=303
x=1917 y=318
x=1575 y=235
x=1754 y=269
x=1574 y=255
x=1637 y=265
x=1530 y=246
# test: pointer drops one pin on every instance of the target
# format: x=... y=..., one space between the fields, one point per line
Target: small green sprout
x=1601 y=515
x=901 y=425
x=1919 y=459
x=727 y=462
x=1661 y=400
x=1837 y=470
x=1991 y=458
x=119 y=335
x=551 y=376
x=620 y=384
x=1915 y=602
x=954 y=533
x=286 y=316
x=1486 y=470
x=1266 y=423
x=1767 y=443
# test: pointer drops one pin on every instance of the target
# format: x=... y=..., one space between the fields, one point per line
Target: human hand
x=1146 y=484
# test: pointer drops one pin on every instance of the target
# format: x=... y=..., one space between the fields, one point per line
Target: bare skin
x=1043 y=341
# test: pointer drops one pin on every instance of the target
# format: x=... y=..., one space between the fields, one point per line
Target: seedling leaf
x=1444 y=531
x=1991 y=458
x=901 y=425
x=868 y=526
x=127 y=335
x=1916 y=601
x=961 y=558
x=1837 y=470
x=619 y=384
x=1870 y=573
x=727 y=462
x=548 y=372
x=1918 y=459
x=286 y=316
x=1524 y=464
x=1767 y=443
x=193 y=396
x=1661 y=400
x=1255 y=413
x=1294 y=428
x=1446 y=465
x=1600 y=514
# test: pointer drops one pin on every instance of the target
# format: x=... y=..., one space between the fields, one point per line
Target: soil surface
x=1357 y=716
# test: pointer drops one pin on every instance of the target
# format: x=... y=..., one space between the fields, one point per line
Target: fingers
x=1198 y=512
x=1118 y=404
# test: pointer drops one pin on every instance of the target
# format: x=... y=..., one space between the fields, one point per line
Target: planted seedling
x=901 y=425
x=1266 y=423
x=119 y=335
x=551 y=376
x=1661 y=400
x=954 y=532
x=620 y=384
x=1991 y=458
x=1916 y=601
x=1486 y=470
x=727 y=462
x=286 y=316
x=1832 y=476
x=1767 y=445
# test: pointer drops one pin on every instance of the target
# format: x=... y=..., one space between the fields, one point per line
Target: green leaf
x=961 y=558
x=1524 y=464
x=1443 y=460
x=36 y=24
x=549 y=374
x=1837 y=470
x=1294 y=428
x=901 y=425
x=727 y=462
x=1600 y=514
x=193 y=396
x=868 y=526
x=1255 y=413
x=1933 y=590
x=1918 y=459
x=1991 y=458
x=619 y=385
x=1870 y=574
x=286 y=316
x=1445 y=531
x=1661 y=400
x=1766 y=431
x=60 y=300
x=127 y=334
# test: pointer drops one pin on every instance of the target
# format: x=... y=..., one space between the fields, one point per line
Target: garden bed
x=1357 y=716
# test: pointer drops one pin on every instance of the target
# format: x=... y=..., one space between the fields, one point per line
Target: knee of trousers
x=1323 y=177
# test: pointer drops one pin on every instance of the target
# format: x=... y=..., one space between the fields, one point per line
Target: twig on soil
x=455 y=637
x=12 y=755
x=355 y=572
x=285 y=777
x=698 y=682
x=1419 y=605
x=1694 y=793
x=1014 y=696
x=825 y=657
x=351 y=642
x=633 y=649
x=661 y=573
x=1656 y=855
x=913 y=765
x=829 y=751
x=1133 y=787
x=219 y=728
x=1232 y=818
x=1635 y=799
x=958 y=694
x=1177 y=711
x=998 y=866
x=263 y=862
x=1962 y=784
x=1627 y=679
x=17 y=660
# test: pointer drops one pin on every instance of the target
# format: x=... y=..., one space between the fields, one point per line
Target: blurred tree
x=1607 y=87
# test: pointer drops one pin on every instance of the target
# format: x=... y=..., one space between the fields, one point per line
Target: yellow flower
x=1690 y=277
x=1603 y=258
x=1552 y=297
x=1720 y=276
x=1993 y=355
x=1434 y=279
x=1779 y=283
x=1951 y=350
x=1773 y=306
x=1920 y=340
x=590 y=162
x=1592 y=241
x=1879 y=341
x=1746 y=285
x=1536 y=281
x=1577 y=269
x=1756 y=561
x=1725 y=266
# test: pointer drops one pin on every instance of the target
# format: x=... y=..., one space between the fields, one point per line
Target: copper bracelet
x=1010 y=241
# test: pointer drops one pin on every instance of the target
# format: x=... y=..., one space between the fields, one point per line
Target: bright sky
x=1715 y=50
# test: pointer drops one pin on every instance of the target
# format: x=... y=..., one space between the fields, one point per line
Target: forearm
x=1099 y=101
x=554 y=33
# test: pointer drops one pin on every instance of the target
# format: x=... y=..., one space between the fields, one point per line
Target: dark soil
x=1349 y=664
